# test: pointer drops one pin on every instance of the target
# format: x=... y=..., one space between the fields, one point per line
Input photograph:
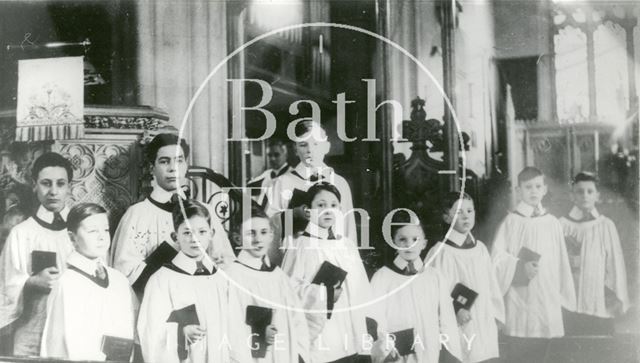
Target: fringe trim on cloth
x=49 y=132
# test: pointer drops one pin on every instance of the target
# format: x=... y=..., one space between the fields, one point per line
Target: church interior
x=441 y=96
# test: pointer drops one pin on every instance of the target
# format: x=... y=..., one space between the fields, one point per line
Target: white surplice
x=601 y=262
x=472 y=267
x=173 y=288
x=28 y=305
x=283 y=187
x=420 y=301
x=342 y=335
x=144 y=227
x=270 y=289
x=80 y=312
x=534 y=310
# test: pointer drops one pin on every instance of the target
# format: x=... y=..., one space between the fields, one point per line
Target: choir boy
x=288 y=190
x=465 y=261
x=533 y=271
x=320 y=254
x=259 y=285
x=90 y=309
x=597 y=261
x=147 y=224
x=183 y=316
x=35 y=254
x=414 y=299
x=277 y=154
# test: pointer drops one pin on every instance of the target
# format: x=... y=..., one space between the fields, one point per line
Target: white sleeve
x=14 y=273
x=127 y=256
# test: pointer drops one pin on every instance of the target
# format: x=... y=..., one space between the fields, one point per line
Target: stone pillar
x=179 y=44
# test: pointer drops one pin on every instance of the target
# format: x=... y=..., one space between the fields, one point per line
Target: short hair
x=451 y=198
x=255 y=212
x=276 y=143
x=192 y=208
x=585 y=176
x=304 y=127
x=404 y=217
x=529 y=173
x=322 y=186
x=161 y=140
x=51 y=159
x=80 y=212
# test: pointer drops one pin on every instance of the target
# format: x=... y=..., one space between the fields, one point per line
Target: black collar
x=465 y=245
x=168 y=206
x=392 y=266
x=102 y=283
x=175 y=268
x=49 y=226
x=264 y=267
x=522 y=215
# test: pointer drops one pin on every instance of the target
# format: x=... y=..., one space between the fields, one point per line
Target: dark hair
x=585 y=176
x=256 y=212
x=192 y=208
x=162 y=140
x=50 y=159
x=529 y=173
x=318 y=187
x=403 y=216
x=451 y=198
x=276 y=142
x=303 y=127
x=80 y=212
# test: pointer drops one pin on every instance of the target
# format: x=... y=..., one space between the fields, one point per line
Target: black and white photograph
x=319 y=181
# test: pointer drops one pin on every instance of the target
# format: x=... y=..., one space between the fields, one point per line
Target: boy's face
x=533 y=190
x=52 y=187
x=410 y=242
x=276 y=156
x=312 y=149
x=466 y=216
x=92 y=238
x=585 y=195
x=259 y=232
x=321 y=209
x=170 y=167
x=193 y=234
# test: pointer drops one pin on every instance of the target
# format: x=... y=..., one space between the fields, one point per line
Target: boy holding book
x=183 y=316
x=90 y=310
x=328 y=274
x=264 y=299
x=148 y=224
x=533 y=271
x=466 y=263
x=597 y=261
x=414 y=299
x=35 y=254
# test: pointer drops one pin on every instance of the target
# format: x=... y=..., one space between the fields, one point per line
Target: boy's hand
x=337 y=291
x=194 y=333
x=463 y=317
x=45 y=278
x=270 y=334
x=531 y=269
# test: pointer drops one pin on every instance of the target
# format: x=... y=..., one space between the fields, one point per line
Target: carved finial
x=418 y=113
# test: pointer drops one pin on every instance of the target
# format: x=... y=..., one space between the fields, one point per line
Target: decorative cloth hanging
x=50 y=99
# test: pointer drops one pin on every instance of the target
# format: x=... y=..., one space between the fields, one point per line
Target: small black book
x=41 y=260
x=162 y=254
x=404 y=341
x=185 y=316
x=258 y=316
x=528 y=255
x=298 y=198
x=372 y=328
x=329 y=275
x=463 y=297
x=610 y=297
x=117 y=349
